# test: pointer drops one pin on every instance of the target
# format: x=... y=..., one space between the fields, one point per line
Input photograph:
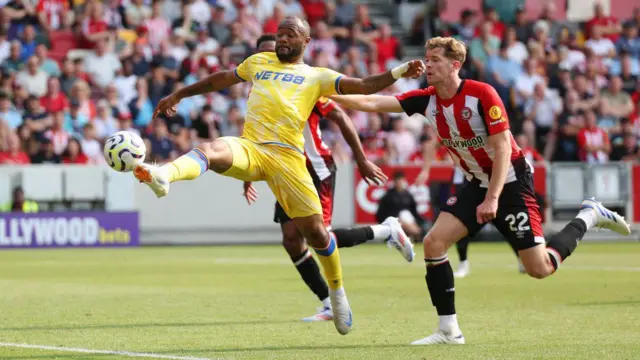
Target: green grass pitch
x=245 y=302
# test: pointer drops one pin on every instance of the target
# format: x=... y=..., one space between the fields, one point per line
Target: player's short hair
x=264 y=38
x=453 y=49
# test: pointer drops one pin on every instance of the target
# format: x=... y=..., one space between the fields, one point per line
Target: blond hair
x=453 y=49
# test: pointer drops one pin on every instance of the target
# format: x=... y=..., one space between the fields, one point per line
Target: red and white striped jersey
x=319 y=157
x=464 y=124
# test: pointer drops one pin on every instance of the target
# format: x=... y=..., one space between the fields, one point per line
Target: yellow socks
x=188 y=166
x=330 y=260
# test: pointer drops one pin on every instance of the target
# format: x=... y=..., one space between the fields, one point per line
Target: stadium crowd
x=572 y=90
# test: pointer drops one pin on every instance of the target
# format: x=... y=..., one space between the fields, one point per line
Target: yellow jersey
x=282 y=98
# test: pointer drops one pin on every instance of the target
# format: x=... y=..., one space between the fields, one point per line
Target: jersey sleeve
x=495 y=115
x=324 y=106
x=329 y=82
x=244 y=70
x=414 y=101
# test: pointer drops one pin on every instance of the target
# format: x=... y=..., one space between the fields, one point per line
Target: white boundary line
x=104 y=352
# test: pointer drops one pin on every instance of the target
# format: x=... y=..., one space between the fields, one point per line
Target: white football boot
x=323 y=314
x=154 y=177
x=463 y=269
x=398 y=239
x=440 y=338
x=605 y=218
x=342 y=316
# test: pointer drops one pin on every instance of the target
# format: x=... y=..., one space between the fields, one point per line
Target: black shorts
x=518 y=218
x=326 y=188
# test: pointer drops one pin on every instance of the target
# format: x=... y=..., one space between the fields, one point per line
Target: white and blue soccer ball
x=124 y=150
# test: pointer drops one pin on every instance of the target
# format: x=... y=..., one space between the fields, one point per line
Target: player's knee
x=293 y=242
x=539 y=272
x=433 y=246
x=317 y=235
x=218 y=153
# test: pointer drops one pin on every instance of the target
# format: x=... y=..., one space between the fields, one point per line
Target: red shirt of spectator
x=54 y=100
x=271 y=25
x=606 y=22
x=387 y=46
x=78 y=159
x=54 y=11
x=316 y=10
x=531 y=154
x=14 y=155
x=593 y=142
x=497 y=27
x=93 y=25
x=635 y=99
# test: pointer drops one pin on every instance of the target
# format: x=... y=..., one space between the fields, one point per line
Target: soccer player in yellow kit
x=283 y=94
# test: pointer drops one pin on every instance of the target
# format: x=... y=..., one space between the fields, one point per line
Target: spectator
x=482 y=47
x=113 y=14
x=204 y=127
x=601 y=46
x=345 y=12
x=177 y=47
x=8 y=114
x=541 y=111
x=522 y=25
x=323 y=42
x=158 y=26
x=94 y=27
x=250 y=26
x=271 y=25
x=628 y=68
x=124 y=83
x=465 y=30
x=502 y=72
x=593 y=142
x=629 y=41
x=516 y=50
x=58 y=136
x=5 y=46
x=91 y=146
x=68 y=77
x=78 y=65
x=81 y=92
x=491 y=17
x=28 y=42
x=75 y=120
x=609 y=25
x=571 y=58
x=398 y=202
x=33 y=79
x=158 y=84
x=73 y=154
x=561 y=81
x=625 y=146
x=354 y=58
x=234 y=124
x=526 y=82
x=167 y=61
x=18 y=203
x=315 y=10
x=163 y=148
x=369 y=29
x=570 y=123
x=48 y=65
x=237 y=48
x=401 y=140
x=54 y=14
x=102 y=65
x=13 y=153
x=548 y=16
x=36 y=118
x=141 y=108
x=45 y=154
x=199 y=11
x=389 y=48
x=218 y=27
x=615 y=105
x=587 y=100
x=14 y=62
x=104 y=123
x=531 y=154
x=137 y=13
x=207 y=47
x=54 y=100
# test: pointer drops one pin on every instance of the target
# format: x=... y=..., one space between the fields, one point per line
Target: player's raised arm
x=369 y=171
x=369 y=103
x=374 y=83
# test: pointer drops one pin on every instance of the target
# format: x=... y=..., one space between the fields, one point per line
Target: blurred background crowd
x=75 y=71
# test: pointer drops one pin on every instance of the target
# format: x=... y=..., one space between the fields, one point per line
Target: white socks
x=381 y=232
x=589 y=217
x=449 y=325
x=326 y=303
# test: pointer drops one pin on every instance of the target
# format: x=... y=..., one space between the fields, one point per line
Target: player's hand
x=250 y=193
x=167 y=105
x=371 y=173
x=487 y=211
x=415 y=70
x=422 y=177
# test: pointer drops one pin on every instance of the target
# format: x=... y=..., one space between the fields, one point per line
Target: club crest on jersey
x=495 y=113
x=452 y=200
x=466 y=113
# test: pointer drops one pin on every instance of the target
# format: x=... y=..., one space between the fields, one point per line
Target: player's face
x=290 y=42
x=439 y=67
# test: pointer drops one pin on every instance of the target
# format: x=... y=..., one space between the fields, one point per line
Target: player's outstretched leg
x=463 y=247
x=446 y=231
x=215 y=155
x=312 y=228
x=308 y=269
x=390 y=230
x=541 y=261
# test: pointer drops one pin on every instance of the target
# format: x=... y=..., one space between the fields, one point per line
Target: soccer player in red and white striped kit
x=472 y=123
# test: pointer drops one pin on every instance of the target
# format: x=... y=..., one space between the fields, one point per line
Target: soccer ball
x=124 y=150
